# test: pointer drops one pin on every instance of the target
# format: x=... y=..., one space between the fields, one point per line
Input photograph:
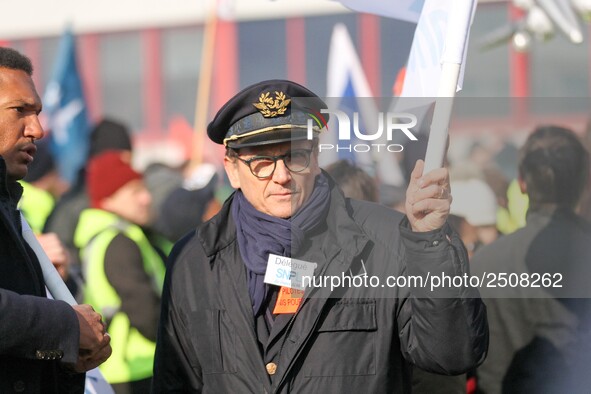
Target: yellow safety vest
x=513 y=218
x=133 y=354
x=36 y=204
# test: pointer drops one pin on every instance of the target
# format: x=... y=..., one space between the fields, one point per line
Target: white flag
x=436 y=63
x=441 y=37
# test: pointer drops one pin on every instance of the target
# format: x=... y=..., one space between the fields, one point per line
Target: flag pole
x=95 y=381
x=458 y=28
x=436 y=147
x=204 y=89
x=53 y=280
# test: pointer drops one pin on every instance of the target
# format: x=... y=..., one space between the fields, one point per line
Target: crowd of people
x=179 y=291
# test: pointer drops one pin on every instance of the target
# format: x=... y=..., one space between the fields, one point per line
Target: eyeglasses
x=264 y=166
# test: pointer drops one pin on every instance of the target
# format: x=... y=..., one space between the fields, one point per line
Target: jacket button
x=435 y=243
x=19 y=386
x=271 y=368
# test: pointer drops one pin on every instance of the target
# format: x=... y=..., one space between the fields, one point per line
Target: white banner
x=441 y=37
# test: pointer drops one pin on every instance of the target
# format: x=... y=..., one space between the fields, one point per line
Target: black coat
x=353 y=340
x=33 y=329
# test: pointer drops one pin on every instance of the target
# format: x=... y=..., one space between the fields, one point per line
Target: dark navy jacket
x=37 y=335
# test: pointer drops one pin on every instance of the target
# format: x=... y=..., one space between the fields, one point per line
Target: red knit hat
x=106 y=173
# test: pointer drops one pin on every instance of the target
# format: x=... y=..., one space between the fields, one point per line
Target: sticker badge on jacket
x=287 y=272
x=288 y=300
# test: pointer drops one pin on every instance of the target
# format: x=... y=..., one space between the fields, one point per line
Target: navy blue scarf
x=260 y=234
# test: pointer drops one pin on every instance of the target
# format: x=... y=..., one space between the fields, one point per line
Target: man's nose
x=33 y=128
x=281 y=175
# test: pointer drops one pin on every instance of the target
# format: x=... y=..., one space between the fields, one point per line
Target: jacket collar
x=9 y=190
x=344 y=233
x=218 y=232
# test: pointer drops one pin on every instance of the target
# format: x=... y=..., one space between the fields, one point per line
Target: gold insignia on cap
x=270 y=107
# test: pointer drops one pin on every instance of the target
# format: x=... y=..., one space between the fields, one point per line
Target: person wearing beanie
x=123 y=271
x=108 y=134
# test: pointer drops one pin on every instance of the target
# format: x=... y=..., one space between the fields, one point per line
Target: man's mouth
x=30 y=150
x=284 y=193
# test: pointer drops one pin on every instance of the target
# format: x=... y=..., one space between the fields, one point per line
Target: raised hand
x=428 y=198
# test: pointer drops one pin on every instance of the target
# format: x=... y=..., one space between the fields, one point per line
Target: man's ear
x=522 y=185
x=231 y=167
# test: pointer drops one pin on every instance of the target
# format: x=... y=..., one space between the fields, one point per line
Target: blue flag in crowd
x=348 y=91
x=66 y=111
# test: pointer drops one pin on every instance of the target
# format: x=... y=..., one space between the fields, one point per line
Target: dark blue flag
x=66 y=111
